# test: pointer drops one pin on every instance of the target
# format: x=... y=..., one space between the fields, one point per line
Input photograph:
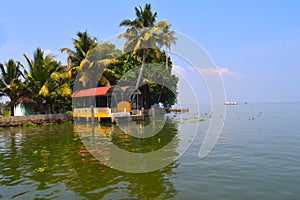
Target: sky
x=254 y=44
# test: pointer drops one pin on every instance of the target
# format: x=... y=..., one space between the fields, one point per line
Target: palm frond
x=29 y=61
x=3 y=72
x=44 y=91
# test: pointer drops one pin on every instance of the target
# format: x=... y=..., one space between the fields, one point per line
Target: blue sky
x=256 y=44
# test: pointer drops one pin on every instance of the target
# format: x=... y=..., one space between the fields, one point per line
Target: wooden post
x=143 y=113
x=153 y=111
x=112 y=119
x=137 y=101
x=92 y=115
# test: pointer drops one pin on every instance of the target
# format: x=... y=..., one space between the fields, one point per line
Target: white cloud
x=47 y=52
x=222 y=71
x=178 y=68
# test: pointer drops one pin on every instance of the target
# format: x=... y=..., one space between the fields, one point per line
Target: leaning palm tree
x=139 y=34
x=142 y=41
x=46 y=79
x=94 y=69
x=10 y=82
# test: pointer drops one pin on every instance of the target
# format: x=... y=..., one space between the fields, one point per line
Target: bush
x=5 y=113
x=69 y=112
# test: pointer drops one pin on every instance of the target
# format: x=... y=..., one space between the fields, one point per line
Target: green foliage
x=83 y=45
x=143 y=39
x=69 y=112
x=94 y=69
x=48 y=82
x=10 y=82
x=40 y=169
x=5 y=113
x=161 y=84
x=29 y=124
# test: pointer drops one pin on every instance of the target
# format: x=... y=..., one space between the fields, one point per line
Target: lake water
x=256 y=157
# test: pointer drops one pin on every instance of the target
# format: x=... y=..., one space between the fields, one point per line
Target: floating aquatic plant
x=30 y=124
x=40 y=169
x=35 y=152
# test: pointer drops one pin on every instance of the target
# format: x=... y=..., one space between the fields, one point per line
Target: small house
x=106 y=102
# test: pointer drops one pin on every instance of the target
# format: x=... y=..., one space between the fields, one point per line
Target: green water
x=256 y=157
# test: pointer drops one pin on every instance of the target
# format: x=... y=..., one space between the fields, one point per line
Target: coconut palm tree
x=94 y=69
x=46 y=79
x=83 y=45
x=144 y=18
x=139 y=34
x=10 y=82
x=166 y=37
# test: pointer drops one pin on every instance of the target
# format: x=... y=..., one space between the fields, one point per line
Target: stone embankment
x=35 y=119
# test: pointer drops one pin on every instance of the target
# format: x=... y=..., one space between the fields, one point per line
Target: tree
x=10 y=82
x=166 y=38
x=139 y=34
x=46 y=79
x=163 y=85
x=144 y=18
x=144 y=37
x=159 y=86
x=83 y=45
x=94 y=68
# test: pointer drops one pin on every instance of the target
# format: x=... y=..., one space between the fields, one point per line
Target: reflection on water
x=51 y=161
x=257 y=157
x=119 y=148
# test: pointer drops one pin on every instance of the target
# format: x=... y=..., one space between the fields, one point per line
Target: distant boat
x=231 y=103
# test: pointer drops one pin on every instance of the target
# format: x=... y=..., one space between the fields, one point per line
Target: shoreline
x=9 y=121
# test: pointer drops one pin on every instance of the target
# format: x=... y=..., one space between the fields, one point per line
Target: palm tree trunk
x=160 y=93
x=12 y=108
x=142 y=69
x=69 y=65
x=145 y=96
x=50 y=108
x=167 y=58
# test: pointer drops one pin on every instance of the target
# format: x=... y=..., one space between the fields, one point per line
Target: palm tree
x=10 y=82
x=96 y=65
x=166 y=38
x=144 y=18
x=83 y=45
x=46 y=79
x=139 y=34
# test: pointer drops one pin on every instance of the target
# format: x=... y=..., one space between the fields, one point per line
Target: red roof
x=25 y=100
x=99 y=91
x=91 y=92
